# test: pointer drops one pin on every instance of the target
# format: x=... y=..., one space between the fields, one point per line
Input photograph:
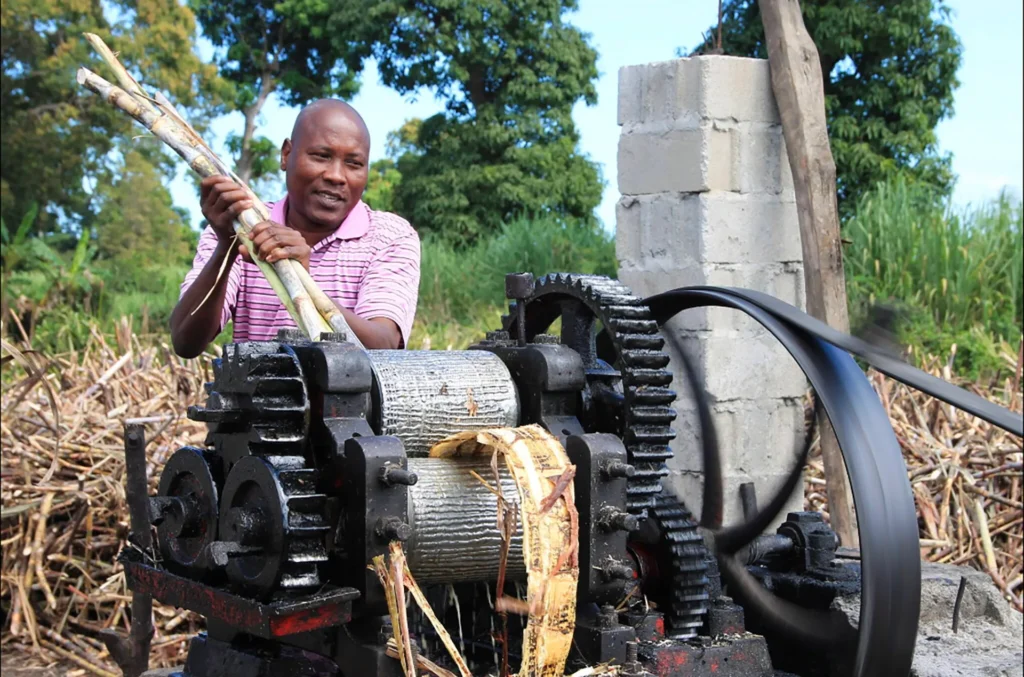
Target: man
x=367 y=261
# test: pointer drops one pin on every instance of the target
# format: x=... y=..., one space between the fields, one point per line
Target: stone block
x=750 y=228
x=689 y=486
x=669 y=158
x=744 y=367
x=755 y=437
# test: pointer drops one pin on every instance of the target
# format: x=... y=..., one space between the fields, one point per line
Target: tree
x=57 y=141
x=299 y=49
x=138 y=225
x=890 y=71
x=510 y=73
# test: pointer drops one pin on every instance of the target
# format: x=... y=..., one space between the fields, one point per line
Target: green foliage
x=289 y=48
x=462 y=290
x=381 y=184
x=890 y=70
x=57 y=141
x=138 y=226
x=510 y=74
x=958 y=275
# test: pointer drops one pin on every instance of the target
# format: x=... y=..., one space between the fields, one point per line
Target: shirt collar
x=354 y=226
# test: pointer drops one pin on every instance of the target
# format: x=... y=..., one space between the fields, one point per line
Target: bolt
x=291 y=335
x=391 y=475
x=631 y=656
x=518 y=286
x=613 y=519
x=614 y=571
x=619 y=469
x=333 y=337
x=546 y=339
x=607 y=616
x=393 y=529
x=245 y=526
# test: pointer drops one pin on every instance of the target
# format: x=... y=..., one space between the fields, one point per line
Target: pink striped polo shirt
x=369 y=265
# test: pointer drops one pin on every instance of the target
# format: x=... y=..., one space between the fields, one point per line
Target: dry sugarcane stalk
x=166 y=124
x=550 y=539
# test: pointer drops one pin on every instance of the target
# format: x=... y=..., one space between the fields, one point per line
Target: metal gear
x=272 y=516
x=257 y=403
x=629 y=395
x=688 y=588
x=186 y=509
x=634 y=378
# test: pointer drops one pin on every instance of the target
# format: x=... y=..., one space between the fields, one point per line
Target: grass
x=957 y=275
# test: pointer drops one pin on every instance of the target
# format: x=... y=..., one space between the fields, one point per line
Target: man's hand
x=221 y=201
x=274 y=242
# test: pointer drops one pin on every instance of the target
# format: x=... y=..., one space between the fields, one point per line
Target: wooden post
x=800 y=94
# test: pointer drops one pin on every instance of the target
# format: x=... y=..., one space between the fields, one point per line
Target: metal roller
x=454 y=522
x=423 y=396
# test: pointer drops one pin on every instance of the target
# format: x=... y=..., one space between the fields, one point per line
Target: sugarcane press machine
x=316 y=458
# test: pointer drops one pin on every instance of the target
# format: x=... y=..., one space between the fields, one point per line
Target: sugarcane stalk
x=282 y=275
x=328 y=309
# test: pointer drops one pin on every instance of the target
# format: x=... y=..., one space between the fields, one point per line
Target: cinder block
x=659 y=159
x=705 y=87
x=736 y=88
x=755 y=437
x=631 y=92
x=745 y=367
x=628 y=228
x=759 y=158
x=751 y=228
x=689 y=487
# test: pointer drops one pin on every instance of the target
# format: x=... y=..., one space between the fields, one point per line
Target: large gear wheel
x=271 y=510
x=257 y=403
x=626 y=365
x=629 y=394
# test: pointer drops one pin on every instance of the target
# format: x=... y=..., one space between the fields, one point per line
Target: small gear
x=682 y=547
x=257 y=403
x=273 y=516
x=186 y=515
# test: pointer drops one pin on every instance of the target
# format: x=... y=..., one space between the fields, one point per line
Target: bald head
x=327 y=111
x=326 y=165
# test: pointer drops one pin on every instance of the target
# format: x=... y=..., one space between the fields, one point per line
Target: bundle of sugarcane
x=310 y=308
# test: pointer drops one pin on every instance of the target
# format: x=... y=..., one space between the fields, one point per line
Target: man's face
x=326 y=168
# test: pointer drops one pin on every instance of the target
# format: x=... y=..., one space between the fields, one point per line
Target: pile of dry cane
x=64 y=514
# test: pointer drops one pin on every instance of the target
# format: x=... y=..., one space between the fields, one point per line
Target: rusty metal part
x=327 y=608
x=423 y=396
x=453 y=515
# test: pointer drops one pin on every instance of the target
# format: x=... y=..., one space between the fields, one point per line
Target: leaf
x=81 y=251
x=26 y=223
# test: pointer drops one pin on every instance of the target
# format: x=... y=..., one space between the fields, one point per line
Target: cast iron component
x=373 y=513
x=548 y=379
x=670 y=551
x=628 y=390
x=270 y=507
x=423 y=396
x=455 y=536
x=185 y=511
x=258 y=403
x=605 y=574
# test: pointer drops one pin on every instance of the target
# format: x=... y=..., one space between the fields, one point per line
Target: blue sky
x=984 y=134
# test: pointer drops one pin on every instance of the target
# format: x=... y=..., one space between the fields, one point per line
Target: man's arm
x=390 y=288
x=192 y=331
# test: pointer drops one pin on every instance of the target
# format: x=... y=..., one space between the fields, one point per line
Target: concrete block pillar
x=707 y=198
